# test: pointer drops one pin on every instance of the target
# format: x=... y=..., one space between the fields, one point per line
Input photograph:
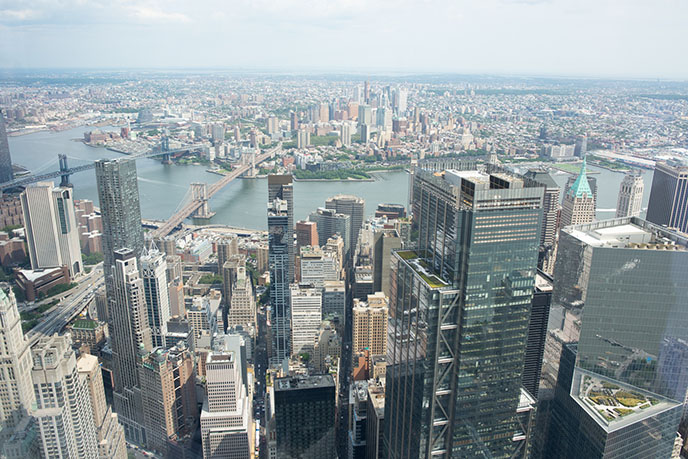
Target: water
x=242 y=203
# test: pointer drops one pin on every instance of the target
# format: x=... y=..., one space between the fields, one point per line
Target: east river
x=242 y=203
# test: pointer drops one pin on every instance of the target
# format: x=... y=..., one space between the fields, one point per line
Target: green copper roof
x=581 y=187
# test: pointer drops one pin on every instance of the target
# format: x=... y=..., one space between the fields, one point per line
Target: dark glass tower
x=459 y=312
x=280 y=262
x=668 y=203
x=6 y=171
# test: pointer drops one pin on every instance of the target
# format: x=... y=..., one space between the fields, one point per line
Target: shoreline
x=334 y=180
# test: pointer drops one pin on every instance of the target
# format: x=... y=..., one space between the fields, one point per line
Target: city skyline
x=525 y=37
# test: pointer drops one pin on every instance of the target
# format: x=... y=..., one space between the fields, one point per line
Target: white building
x=154 y=275
x=242 y=309
x=63 y=407
x=630 y=196
x=52 y=231
x=306 y=315
x=318 y=266
x=226 y=424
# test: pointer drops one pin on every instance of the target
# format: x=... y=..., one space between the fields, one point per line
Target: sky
x=577 y=38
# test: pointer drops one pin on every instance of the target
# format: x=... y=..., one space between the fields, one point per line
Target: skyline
x=554 y=38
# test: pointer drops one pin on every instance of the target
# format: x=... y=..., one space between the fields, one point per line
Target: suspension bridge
x=65 y=170
x=195 y=202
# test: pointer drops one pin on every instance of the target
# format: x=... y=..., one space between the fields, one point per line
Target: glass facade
x=459 y=310
x=625 y=279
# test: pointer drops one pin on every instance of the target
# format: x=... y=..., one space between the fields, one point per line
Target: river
x=242 y=203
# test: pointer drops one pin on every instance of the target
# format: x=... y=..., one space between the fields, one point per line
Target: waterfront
x=243 y=202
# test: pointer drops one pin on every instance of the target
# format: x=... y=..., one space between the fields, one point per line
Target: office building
x=327 y=349
x=281 y=262
x=242 y=307
x=318 y=266
x=352 y=206
x=154 y=275
x=537 y=333
x=62 y=406
x=168 y=392
x=118 y=194
x=581 y=146
x=579 y=201
x=110 y=435
x=129 y=335
x=668 y=205
x=474 y=310
x=375 y=420
x=550 y=208
x=329 y=222
x=226 y=416
x=15 y=366
x=52 y=232
x=306 y=234
x=304 y=417
x=306 y=315
x=205 y=315
x=622 y=275
x=225 y=248
x=6 y=170
x=384 y=242
x=334 y=300
x=370 y=324
x=630 y=196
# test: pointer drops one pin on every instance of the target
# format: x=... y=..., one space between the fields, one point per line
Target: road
x=71 y=306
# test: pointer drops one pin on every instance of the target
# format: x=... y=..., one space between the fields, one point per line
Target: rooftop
x=305 y=382
x=421 y=267
x=628 y=233
x=615 y=405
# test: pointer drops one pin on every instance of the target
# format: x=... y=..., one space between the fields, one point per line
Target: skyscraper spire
x=581 y=187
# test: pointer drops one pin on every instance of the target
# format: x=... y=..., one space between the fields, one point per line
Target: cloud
x=151 y=14
x=19 y=15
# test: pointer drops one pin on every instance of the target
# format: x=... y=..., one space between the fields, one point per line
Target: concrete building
x=306 y=234
x=579 y=201
x=242 y=309
x=375 y=420
x=52 y=232
x=369 y=324
x=15 y=359
x=62 y=407
x=156 y=290
x=129 y=335
x=317 y=267
x=168 y=391
x=306 y=315
x=334 y=300
x=330 y=223
x=630 y=196
x=226 y=423
x=110 y=434
x=352 y=206
x=6 y=170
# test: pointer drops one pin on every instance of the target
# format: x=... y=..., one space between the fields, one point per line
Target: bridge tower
x=252 y=170
x=64 y=168
x=199 y=192
x=165 y=146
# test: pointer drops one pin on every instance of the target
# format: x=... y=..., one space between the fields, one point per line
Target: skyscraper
x=130 y=335
x=630 y=196
x=668 y=203
x=52 y=232
x=306 y=234
x=154 y=275
x=63 y=406
x=352 y=206
x=226 y=414
x=304 y=417
x=622 y=398
x=242 y=308
x=369 y=325
x=6 y=171
x=118 y=193
x=306 y=315
x=458 y=312
x=579 y=201
x=168 y=394
x=15 y=362
x=280 y=261
x=550 y=219
x=330 y=222
x=110 y=435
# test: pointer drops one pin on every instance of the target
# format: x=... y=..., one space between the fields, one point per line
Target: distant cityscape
x=433 y=274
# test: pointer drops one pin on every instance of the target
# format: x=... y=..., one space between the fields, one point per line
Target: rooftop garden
x=612 y=401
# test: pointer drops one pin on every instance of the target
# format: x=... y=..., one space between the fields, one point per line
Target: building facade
x=630 y=196
x=668 y=203
x=156 y=290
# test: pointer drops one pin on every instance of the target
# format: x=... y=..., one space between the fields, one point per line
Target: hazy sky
x=619 y=38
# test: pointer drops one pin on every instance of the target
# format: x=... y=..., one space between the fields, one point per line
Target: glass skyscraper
x=281 y=262
x=6 y=171
x=459 y=312
x=626 y=280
